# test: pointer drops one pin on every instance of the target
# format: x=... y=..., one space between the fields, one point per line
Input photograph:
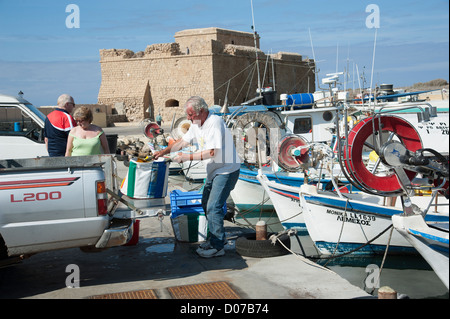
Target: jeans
x=215 y=194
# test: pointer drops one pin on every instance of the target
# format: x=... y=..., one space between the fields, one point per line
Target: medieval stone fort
x=217 y=64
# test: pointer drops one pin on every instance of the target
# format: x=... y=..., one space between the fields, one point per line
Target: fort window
x=172 y=103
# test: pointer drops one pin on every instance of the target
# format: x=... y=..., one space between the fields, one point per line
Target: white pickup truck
x=49 y=203
x=56 y=203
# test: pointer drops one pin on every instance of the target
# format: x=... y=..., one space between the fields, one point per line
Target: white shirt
x=213 y=134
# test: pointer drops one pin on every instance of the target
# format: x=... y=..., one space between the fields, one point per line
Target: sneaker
x=211 y=252
x=205 y=245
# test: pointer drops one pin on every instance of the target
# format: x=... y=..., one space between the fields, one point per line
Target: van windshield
x=36 y=111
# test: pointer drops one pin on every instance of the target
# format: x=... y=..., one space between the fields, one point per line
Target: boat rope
x=341 y=232
x=251 y=75
x=276 y=237
x=253 y=208
x=382 y=262
x=250 y=65
x=301 y=79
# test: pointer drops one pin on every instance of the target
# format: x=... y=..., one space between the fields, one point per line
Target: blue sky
x=42 y=57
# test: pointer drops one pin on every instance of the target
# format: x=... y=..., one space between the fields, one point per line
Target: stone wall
x=100 y=112
x=205 y=62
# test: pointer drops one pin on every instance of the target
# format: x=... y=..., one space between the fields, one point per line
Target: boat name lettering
x=351 y=217
x=431 y=127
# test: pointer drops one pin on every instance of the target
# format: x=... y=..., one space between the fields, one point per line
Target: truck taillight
x=102 y=206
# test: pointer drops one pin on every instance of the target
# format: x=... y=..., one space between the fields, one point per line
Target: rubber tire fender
x=247 y=245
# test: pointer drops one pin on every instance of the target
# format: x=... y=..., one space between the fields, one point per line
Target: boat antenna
x=373 y=66
x=359 y=83
x=314 y=57
x=256 y=49
x=337 y=57
x=273 y=71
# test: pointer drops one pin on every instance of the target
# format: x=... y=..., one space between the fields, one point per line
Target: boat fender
x=247 y=245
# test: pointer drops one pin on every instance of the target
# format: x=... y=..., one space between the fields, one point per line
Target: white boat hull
x=339 y=226
x=286 y=201
x=432 y=244
x=253 y=204
x=249 y=195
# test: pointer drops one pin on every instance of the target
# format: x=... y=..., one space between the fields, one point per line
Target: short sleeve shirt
x=57 y=127
x=213 y=134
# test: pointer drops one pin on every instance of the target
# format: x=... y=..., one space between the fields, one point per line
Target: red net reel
x=362 y=132
x=289 y=156
x=151 y=130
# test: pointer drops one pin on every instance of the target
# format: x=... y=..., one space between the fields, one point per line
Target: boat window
x=327 y=116
x=303 y=125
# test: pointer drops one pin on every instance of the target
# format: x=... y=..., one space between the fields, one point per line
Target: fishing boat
x=412 y=168
x=326 y=215
x=357 y=222
x=313 y=124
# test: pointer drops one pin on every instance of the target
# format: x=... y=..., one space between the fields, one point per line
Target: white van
x=21 y=129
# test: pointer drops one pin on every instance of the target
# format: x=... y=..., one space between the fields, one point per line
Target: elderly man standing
x=58 y=125
x=216 y=147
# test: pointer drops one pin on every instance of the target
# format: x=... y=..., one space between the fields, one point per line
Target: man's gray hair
x=63 y=99
x=197 y=103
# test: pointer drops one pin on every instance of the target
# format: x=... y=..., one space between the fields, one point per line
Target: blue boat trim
x=429 y=236
x=253 y=181
x=249 y=175
x=301 y=226
x=366 y=250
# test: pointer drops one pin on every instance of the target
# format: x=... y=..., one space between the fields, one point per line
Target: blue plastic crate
x=187 y=203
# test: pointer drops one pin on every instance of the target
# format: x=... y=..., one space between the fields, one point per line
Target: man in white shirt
x=216 y=147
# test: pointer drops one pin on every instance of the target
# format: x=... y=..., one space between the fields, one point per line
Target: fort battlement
x=209 y=62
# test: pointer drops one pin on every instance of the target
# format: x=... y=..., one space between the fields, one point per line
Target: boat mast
x=256 y=49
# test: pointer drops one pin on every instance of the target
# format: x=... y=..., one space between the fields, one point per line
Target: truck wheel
x=3 y=249
x=247 y=245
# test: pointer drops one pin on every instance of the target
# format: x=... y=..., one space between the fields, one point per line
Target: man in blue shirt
x=58 y=125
